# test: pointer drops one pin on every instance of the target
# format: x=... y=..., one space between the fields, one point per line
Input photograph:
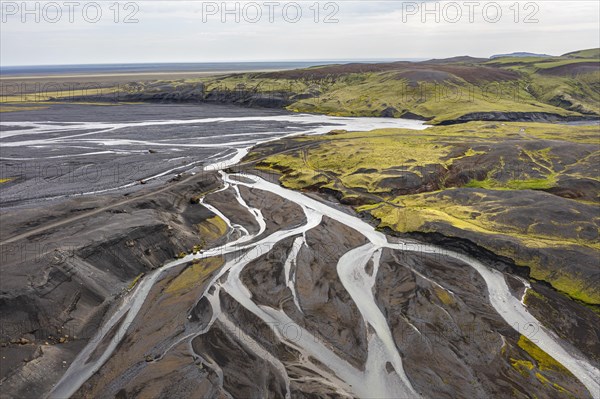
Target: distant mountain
x=520 y=54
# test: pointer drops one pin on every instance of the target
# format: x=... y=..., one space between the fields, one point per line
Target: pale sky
x=194 y=31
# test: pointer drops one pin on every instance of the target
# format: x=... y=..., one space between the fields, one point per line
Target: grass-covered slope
x=589 y=53
x=526 y=191
x=571 y=81
x=460 y=88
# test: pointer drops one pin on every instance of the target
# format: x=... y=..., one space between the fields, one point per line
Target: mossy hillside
x=547 y=64
x=505 y=209
x=376 y=94
x=437 y=101
x=541 y=62
x=579 y=93
x=481 y=212
x=560 y=81
x=362 y=160
x=531 y=184
x=498 y=131
x=251 y=82
x=589 y=53
x=516 y=60
x=439 y=92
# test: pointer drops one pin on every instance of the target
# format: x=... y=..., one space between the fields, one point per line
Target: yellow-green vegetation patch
x=5 y=180
x=531 y=293
x=344 y=155
x=543 y=363
x=444 y=296
x=379 y=149
x=511 y=130
x=588 y=53
x=413 y=212
x=543 y=360
x=212 y=228
x=56 y=95
x=135 y=281
x=252 y=83
x=572 y=285
x=522 y=366
x=527 y=184
x=195 y=274
x=8 y=108
x=546 y=381
x=519 y=60
x=546 y=65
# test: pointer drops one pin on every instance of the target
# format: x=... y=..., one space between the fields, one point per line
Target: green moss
x=543 y=360
x=572 y=286
x=528 y=184
x=519 y=60
x=522 y=366
x=212 y=228
x=444 y=296
x=593 y=53
x=531 y=293
x=488 y=184
x=542 y=367
x=194 y=274
x=547 y=65
x=135 y=281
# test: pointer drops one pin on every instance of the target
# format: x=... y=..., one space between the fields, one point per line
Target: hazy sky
x=84 y=32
